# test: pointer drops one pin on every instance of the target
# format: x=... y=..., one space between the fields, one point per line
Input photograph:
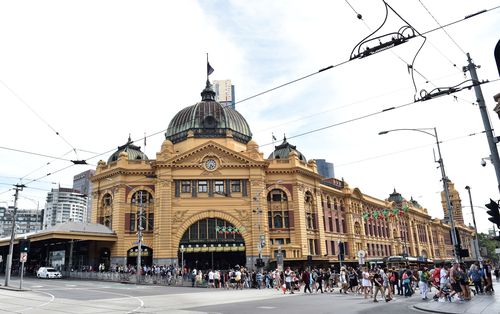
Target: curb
x=13 y=288
x=422 y=308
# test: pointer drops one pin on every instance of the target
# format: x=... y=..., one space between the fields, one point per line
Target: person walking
x=378 y=284
x=306 y=279
x=423 y=277
x=366 y=282
x=258 y=279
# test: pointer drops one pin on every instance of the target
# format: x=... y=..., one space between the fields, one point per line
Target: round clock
x=210 y=164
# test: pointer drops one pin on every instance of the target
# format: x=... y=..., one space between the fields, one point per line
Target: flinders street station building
x=211 y=199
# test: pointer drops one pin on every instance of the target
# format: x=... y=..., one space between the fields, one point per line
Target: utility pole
x=471 y=67
x=139 y=239
x=8 y=264
x=476 y=242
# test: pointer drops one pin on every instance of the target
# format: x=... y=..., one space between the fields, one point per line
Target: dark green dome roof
x=283 y=150
x=208 y=119
x=134 y=152
x=395 y=197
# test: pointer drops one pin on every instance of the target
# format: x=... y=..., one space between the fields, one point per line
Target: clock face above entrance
x=210 y=164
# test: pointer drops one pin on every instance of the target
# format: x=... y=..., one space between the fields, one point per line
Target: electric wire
x=38 y=116
x=33 y=153
x=444 y=30
x=291 y=82
x=408 y=149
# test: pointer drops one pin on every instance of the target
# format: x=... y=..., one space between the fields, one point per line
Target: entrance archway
x=212 y=243
x=146 y=256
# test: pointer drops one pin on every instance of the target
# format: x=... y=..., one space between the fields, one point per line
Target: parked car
x=48 y=272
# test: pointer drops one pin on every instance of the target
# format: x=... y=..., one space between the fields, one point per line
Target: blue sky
x=96 y=71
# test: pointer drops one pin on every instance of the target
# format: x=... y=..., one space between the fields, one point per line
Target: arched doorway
x=146 y=256
x=212 y=243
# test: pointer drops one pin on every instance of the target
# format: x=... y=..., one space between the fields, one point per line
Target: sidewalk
x=480 y=304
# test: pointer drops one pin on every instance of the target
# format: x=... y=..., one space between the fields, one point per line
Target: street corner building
x=211 y=199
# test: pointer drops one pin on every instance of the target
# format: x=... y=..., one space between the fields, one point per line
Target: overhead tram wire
x=41 y=167
x=408 y=149
x=38 y=116
x=441 y=27
x=365 y=116
x=309 y=75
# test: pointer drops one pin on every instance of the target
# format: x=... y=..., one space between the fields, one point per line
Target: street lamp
x=182 y=249
x=476 y=242
x=445 y=185
x=139 y=238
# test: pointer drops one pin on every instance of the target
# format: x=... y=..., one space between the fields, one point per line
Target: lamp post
x=476 y=242
x=139 y=239
x=8 y=264
x=445 y=185
x=182 y=258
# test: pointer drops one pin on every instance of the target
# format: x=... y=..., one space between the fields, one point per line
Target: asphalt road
x=75 y=296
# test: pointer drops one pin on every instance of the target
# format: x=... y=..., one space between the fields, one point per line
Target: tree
x=490 y=245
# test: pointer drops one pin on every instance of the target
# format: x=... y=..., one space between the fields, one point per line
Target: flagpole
x=272 y=139
x=207 y=66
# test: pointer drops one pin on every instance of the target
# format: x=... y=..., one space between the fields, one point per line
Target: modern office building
x=27 y=220
x=64 y=205
x=224 y=93
x=82 y=183
x=211 y=198
x=325 y=168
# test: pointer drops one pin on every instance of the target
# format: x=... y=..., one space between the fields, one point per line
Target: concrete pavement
x=480 y=304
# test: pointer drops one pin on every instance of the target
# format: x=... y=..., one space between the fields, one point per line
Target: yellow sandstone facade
x=210 y=199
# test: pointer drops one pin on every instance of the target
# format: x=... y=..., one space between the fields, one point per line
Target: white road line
x=52 y=298
x=266 y=307
x=141 y=302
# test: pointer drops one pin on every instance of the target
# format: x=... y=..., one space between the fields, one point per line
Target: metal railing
x=130 y=277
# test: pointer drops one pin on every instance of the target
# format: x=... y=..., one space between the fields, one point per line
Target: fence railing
x=154 y=279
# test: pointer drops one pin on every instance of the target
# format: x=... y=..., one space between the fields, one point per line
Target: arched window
x=309 y=209
x=357 y=228
x=106 y=212
x=141 y=211
x=278 y=215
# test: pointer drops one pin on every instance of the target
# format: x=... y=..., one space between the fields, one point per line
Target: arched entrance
x=146 y=256
x=212 y=243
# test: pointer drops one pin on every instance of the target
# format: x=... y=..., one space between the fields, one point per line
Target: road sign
x=24 y=257
x=497 y=251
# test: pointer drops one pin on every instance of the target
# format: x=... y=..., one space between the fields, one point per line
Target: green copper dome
x=283 y=151
x=208 y=119
x=134 y=152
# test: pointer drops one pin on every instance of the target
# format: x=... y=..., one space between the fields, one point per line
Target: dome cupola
x=134 y=152
x=208 y=119
x=284 y=150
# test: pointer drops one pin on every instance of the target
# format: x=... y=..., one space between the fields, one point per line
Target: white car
x=48 y=272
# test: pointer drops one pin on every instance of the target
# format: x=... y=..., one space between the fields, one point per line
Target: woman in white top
x=366 y=282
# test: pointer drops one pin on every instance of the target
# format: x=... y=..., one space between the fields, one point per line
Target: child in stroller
x=442 y=294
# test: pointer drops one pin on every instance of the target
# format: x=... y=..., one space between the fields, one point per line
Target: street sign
x=497 y=251
x=24 y=257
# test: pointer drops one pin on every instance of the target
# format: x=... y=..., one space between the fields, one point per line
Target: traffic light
x=24 y=245
x=260 y=263
x=493 y=212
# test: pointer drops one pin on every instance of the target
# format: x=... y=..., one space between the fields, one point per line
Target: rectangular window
x=211 y=229
x=344 y=227
x=186 y=186
x=286 y=220
x=311 y=247
x=269 y=219
x=219 y=186
x=330 y=223
x=202 y=186
x=332 y=244
x=276 y=197
x=337 y=226
x=279 y=241
x=151 y=221
x=235 y=186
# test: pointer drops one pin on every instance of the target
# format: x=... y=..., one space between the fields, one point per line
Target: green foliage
x=490 y=245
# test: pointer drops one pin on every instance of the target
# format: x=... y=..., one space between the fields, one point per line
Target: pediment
x=225 y=157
